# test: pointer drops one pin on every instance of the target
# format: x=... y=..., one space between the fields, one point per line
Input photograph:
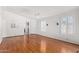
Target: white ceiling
x=38 y=11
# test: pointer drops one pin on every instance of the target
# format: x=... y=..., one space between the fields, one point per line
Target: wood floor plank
x=36 y=44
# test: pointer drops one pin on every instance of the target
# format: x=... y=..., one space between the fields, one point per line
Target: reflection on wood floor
x=36 y=44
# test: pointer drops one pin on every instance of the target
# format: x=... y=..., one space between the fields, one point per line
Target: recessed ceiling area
x=38 y=11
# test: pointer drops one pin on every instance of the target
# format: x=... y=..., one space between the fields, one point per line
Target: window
x=43 y=26
x=67 y=24
x=70 y=25
x=64 y=25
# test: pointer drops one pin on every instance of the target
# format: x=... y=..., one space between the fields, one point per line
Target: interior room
x=39 y=29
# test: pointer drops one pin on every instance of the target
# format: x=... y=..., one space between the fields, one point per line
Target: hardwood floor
x=37 y=44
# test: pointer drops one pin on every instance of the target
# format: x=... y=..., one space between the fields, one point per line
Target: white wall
x=20 y=22
x=54 y=31
x=12 y=18
x=52 y=28
x=0 y=24
x=33 y=26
